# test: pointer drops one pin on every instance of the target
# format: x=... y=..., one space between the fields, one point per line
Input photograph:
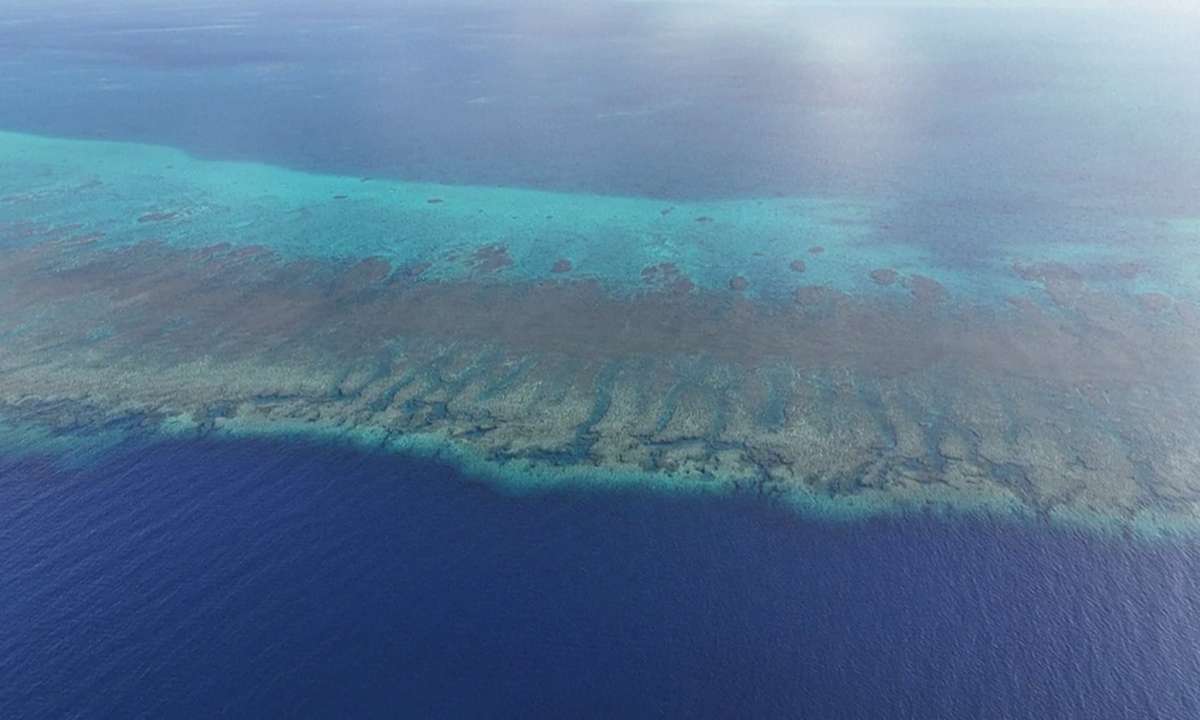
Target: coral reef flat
x=1060 y=389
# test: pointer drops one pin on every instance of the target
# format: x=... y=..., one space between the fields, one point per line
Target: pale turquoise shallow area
x=107 y=186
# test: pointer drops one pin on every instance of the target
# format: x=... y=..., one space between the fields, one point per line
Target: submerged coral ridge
x=1072 y=401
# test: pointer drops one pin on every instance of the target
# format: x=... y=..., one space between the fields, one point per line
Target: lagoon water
x=608 y=360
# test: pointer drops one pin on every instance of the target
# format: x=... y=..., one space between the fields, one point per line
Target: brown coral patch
x=682 y=286
x=885 y=276
x=1024 y=305
x=704 y=219
x=145 y=247
x=812 y=295
x=1153 y=302
x=927 y=289
x=561 y=266
x=738 y=283
x=85 y=239
x=159 y=217
x=797 y=266
x=218 y=249
x=363 y=275
x=340 y=197
x=1129 y=270
x=816 y=249
x=435 y=201
x=489 y=259
x=667 y=276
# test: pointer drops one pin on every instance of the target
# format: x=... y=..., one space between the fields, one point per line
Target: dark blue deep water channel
x=255 y=579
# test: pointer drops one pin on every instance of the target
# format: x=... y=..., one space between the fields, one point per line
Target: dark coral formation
x=489 y=259
x=1084 y=405
x=704 y=219
x=667 y=276
x=561 y=266
x=816 y=249
x=797 y=266
x=1129 y=270
x=885 y=276
x=159 y=217
x=682 y=286
x=340 y=197
x=435 y=201
x=1154 y=302
x=1024 y=305
x=359 y=277
x=926 y=289
x=738 y=283
x=824 y=301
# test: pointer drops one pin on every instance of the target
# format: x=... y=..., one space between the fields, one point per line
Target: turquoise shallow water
x=133 y=194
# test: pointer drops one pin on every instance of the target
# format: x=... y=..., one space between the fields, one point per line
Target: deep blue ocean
x=272 y=579
x=204 y=578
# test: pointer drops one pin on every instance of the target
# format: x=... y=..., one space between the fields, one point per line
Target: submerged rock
x=885 y=276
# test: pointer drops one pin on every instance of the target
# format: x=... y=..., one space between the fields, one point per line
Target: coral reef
x=926 y=289
x=667 y=276
x=159 y=217
x=885 y=276
x=488 y=259
x=1085 y=404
